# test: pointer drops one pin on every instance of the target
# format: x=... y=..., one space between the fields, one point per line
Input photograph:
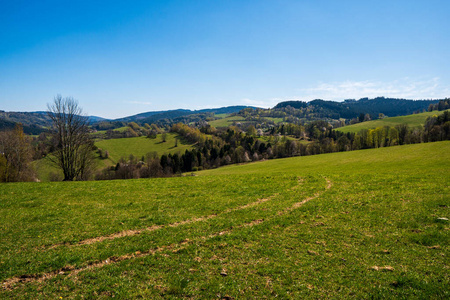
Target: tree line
x=70 y=146
x=440 y=106
x=233 y=146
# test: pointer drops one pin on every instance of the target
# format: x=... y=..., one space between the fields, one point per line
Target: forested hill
x=289 y=111
x=353 y=108
x=37 y=122
x=32 y=122
x=154 y=116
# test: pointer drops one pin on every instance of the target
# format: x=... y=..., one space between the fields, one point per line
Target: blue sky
x=119 y=58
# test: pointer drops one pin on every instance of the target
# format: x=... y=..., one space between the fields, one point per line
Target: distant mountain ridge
x=33 y=122
x=152 y=116
x=37 y=122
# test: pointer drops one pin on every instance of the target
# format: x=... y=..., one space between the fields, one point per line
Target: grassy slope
x=374 y=233
x=227 y=121
x=117 y=148
x=140 y=146
x=221 y=116
x=44 y=170
x=414 y=120
x=276 y=120
x=120 y=129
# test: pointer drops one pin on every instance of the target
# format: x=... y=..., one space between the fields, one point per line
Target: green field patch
x=93 y=209
x=46 y=171
x=275 y=120
x=415 y=120
x=103 y=132
x=117 y=149
x=221 y=116
x=227 y=121
x=140 y=146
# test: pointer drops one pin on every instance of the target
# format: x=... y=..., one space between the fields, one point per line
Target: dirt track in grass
x=71 y=271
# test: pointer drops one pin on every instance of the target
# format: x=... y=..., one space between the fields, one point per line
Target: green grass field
x=227 y=121
x=221 y=116
x=415 y=120
x=275 y=120
x=46 y=171
x=102 y=132
x=362 y=224
x=117 y=148
x=140 y=146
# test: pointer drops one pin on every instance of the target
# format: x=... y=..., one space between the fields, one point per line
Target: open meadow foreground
x=224 y=149
x=362 y=224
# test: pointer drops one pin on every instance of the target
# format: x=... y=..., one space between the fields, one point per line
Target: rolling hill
x=361 y=224
x=414 y=120
x=140 y=146
x=119 y=148
x=349 y=109
x=36 y=122
x=154 y=116
x=33 y=122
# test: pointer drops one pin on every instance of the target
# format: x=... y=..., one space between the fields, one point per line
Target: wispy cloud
x=260 y=103
x=407 y=88
x=403 y=88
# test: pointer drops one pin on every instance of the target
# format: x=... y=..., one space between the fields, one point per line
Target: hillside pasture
x=103 y=132
x=227 y=121
x=140 y=146
x=221 y=116
x=361 y=224
x=117 y=148
x=415 y=120
x=275 y=120
x=276 y=139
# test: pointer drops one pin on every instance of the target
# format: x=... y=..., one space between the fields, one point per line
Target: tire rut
x=133 y=232
x=70 y=271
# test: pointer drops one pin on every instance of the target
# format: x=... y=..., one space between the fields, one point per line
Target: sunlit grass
x=374 y=226
x=227 y=121
x=140 y=146
x=415 y=120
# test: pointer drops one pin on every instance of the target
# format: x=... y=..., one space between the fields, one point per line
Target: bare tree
x=15 y=156
x=73 y=144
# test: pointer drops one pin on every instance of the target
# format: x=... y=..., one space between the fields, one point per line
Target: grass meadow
x=362 y=224
x=415 y=120
x=226 y=121
x=140 y=146
x=118 y=148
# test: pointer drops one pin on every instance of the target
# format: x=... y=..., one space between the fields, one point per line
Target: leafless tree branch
x=73 y=144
